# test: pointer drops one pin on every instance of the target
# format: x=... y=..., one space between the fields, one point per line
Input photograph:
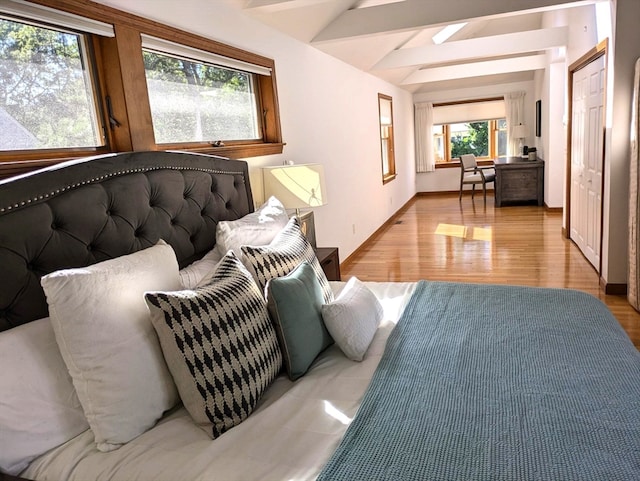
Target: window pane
x=385 y=156
x=502 y=137
x=46 y=94
x=195 y=102
x=438 y=143
x=470 y=138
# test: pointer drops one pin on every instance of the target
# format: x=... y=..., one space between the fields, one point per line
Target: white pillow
x=255 y=229
x=193 y=274
x=39 y=408
x=102 y=326
x=353 y=318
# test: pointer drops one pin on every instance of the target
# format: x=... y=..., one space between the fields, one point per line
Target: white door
x=587 y=135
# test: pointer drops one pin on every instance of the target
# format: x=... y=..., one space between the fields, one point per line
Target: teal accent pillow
x=295 y=305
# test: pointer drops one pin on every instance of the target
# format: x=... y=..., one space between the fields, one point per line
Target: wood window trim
x=449 y=164
x=391 y=174
x=120 y=76
x=483 y=161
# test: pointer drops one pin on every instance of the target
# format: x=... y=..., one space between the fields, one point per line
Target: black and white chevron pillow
x=286 y=252
x=219 y=344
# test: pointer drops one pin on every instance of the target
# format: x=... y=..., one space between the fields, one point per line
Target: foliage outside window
x=193 y=101
x=485 y=139
x=47 y=98
x=77 y=81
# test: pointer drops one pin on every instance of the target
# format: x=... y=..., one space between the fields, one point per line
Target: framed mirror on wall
x=385 y=111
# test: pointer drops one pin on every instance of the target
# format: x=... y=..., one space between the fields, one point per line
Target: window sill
x=20 y=162
x=388 y=178
x=232 y=151
x=23 y=162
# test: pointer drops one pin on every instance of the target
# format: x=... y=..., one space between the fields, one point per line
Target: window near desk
x=485 y=139
x=474 y=127
x=48 y=92
x=196 y=96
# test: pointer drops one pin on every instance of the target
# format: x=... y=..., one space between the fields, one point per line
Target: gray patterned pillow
x=219 y=344
x=286 y=252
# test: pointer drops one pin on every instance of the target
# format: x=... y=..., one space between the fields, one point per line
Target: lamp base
x=307 y=225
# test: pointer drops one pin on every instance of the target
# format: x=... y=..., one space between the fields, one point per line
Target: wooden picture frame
x=538 y=118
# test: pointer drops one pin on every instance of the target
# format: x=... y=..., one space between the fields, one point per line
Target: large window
x=85 y=78
x=192 y=101
x=486 y=139
x=474 y=127
x=47 y=93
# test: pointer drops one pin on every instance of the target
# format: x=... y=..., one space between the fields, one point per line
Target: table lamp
x=297 y=186
x=520 y=132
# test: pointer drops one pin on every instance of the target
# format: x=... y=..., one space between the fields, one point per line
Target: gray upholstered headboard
x=82 y=212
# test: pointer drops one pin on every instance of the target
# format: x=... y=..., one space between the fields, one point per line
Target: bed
x=323 y=380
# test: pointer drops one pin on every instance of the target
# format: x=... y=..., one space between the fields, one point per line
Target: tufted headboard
x=81 y=212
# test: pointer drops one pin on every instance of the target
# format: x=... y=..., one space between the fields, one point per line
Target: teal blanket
x=498 y=383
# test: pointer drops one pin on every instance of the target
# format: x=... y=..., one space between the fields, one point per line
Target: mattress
x=290 y=436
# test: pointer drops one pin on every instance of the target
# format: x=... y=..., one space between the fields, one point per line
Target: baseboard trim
x=613 y=289
x=384 y=226
x=440 y=192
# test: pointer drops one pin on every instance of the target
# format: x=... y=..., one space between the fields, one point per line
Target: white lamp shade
x=519 y=131
x=296 y=186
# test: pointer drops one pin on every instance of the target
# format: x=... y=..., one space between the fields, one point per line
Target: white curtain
x=425 y=160
x=514 y=110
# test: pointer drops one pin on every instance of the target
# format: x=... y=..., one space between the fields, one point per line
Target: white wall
x=551 y=89
x=329 y=114
x=554 y=134
x=445 y=180
x=616 y=176
x=624 y=49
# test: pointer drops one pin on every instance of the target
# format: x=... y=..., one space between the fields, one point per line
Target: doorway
x=587 y=80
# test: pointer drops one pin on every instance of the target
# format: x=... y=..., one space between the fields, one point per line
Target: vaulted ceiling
x=500 y=41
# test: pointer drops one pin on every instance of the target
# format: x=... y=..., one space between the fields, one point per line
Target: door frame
x=598 y=51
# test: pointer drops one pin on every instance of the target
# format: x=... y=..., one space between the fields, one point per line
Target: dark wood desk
x=519 y=180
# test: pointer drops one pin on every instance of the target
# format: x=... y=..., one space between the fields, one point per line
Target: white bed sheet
x=289 y=437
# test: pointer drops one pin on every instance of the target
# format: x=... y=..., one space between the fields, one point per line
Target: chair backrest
x=468 y=161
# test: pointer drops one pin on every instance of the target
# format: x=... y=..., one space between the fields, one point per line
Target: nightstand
x=8 y=477
x=329 y=261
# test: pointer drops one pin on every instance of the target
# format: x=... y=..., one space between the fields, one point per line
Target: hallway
x=438 y=238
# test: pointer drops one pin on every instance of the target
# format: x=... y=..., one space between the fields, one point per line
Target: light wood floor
x=439 y=238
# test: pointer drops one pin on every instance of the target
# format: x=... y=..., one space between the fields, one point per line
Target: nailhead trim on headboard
x=81 y=212
x=113 y=174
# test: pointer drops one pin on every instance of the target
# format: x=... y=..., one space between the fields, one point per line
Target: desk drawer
x=519 y=185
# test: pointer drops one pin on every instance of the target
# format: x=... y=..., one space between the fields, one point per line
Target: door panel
x=587 y=158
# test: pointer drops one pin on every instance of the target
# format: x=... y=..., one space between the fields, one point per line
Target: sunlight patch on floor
x=464 y=232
